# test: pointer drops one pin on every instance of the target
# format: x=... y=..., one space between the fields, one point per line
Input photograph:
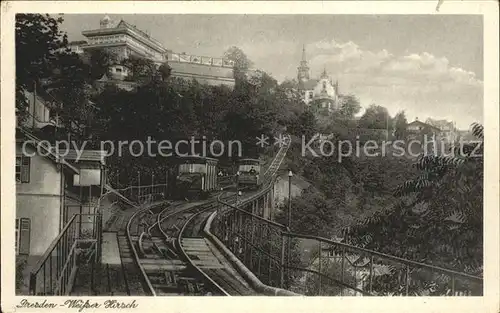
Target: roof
x=308 y=84
x=254 y=160
x=442 y=124
x=196 y=157
x=424 y=125
x=51 y=155
x=85 y=155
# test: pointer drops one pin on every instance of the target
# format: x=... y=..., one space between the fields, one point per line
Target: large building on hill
x=125 y=40
x=321 y=94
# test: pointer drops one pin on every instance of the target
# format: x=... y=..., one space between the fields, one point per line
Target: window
x=118 y=70
x=310 y=95
x=23 y=228
x=23 y=169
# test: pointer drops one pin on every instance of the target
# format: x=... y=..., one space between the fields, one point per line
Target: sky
x=426 y=65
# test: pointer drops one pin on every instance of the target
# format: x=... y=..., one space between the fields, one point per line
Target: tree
x=375 y=117
x=38 y=41
x=438 y=219
x=400 y=124
x=304 y=125
x=100 y=60
x=165 y=71
x=241 y=62
x=349 y=106
x=143 y=70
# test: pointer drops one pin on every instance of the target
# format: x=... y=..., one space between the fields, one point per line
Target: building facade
x=124 y=40
x=449 y=132
x=206 y=70
x=50 y=188
x=419 y=128
x=320 y=94
x=40 y=198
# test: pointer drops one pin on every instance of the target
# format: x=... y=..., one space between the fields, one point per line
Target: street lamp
x=237 y=185
x=290 y=174
x=139 y=186
x=238 y=195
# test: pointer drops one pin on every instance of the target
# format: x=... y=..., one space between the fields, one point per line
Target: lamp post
x=239 y=196
x=289 y=220
x=152 y=188
x=237 y=185
x=139 y=187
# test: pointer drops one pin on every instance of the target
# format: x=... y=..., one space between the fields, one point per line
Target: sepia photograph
x=297 y=155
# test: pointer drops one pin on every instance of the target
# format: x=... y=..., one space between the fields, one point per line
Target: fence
x=145 y=194
x=313 y=265
x=326 y=267
x=54 y=273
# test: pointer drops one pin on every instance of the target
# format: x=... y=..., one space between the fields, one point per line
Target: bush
x=20 y=267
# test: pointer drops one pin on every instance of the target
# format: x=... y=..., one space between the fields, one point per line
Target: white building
x=123 y=40
x=320 y=94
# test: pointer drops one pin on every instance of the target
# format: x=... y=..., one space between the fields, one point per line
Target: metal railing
x=257 y=242
x=54 y=273
x=145 y=194
x=335 y=268
x=313 y=265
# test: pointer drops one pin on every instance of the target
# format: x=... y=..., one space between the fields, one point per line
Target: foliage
x=38 y=42
x=439 y=217
x=400 y=124
x=45 y=64
x=100 y=60
x=20 y=267
x=143 y=70
x=375 y=117
x=349 y=106
x=241 y=62
x=305 y=124
x=165 y=71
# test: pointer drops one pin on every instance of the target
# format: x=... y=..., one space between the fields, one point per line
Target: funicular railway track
x=163 y=250
x=196 y=250
x=191 y=240
x=172 y=254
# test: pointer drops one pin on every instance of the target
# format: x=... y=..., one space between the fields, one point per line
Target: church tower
x=303 y=69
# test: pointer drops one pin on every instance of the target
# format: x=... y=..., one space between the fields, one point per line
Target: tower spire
x=303 y=69
x=324 y=74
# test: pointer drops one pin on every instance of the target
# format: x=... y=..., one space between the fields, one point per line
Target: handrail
x=285 y=232
x=52 y=246
x=58 y=253
x=283 y=227
x=240 y=267
x=383 y=255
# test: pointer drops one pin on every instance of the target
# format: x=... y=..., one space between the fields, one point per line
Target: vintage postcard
x=321 y=156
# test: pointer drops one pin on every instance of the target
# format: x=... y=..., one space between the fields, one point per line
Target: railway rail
x=172 y=255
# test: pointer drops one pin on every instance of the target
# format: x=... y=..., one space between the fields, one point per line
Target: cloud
x=422 y=84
